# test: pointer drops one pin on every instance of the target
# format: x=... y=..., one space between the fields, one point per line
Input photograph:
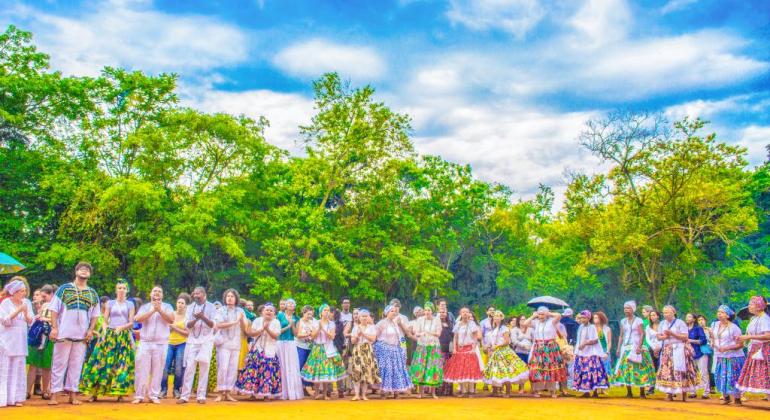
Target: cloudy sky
x=504 y=85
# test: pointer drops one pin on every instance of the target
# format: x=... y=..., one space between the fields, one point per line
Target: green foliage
x=112 y=170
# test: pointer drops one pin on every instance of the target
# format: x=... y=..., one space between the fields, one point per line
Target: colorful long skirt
x=427 y=368
x=363 y=365
x=110 y=368
x=261 y=376
x=303 y=355
x=755 y=375
x=546 y=363
x=505 y=366
x=628 y=373
x=212 y=385
x=391 y=361
x=726 y=374
x=41 y=358
x=463 y=366
x=589 y=374
x=673 y=382
x=320 y=369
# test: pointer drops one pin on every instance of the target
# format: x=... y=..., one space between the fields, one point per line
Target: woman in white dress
x=16 y=315
x=230 y=323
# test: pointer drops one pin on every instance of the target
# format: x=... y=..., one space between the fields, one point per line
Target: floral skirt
x=726 y=374
x=673 y=382
x=589 y=374
x=628 y=373
x=505 y=366
x=427 y=367
x=755 y=375
x=463 y=366
x=363 y=365
x=110 y=368
x=319 y=368
x=392 y=363
x=212 y=384
x=261 y=376
x=546 y=363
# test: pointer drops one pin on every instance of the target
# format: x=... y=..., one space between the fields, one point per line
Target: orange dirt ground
x=607 y=408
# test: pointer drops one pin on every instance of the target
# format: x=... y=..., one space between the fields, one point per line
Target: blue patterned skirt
x=392 y=363
x=589 y=374
x=726 y=374
x=261 y=376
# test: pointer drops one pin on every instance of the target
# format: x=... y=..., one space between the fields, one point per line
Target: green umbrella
x=9 y=265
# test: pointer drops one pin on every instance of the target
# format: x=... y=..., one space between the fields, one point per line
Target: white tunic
x=676 y=326
x=13 y=332
x=726 y=336
x=543 y=330
x=200 y=331
x=465 y=333
x=589 y=333
x=232 y=335
x=155 y=329
x=370 y=330
x=630 y=331
x=428 y=327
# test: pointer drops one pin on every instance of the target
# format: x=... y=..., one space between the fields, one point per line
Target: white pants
x=13 y=380
x=67 y=358
x=291 y=382
x=150 y=362
x=190 y=353
x=227 y=368
x=703 y=367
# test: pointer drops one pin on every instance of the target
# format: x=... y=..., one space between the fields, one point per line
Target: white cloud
x=132 y=34
x=600 y=22
x=516 y=17
x=311 y=58
x=285 y=111
x=707 y=109
x=755 y=138
x=676 y=5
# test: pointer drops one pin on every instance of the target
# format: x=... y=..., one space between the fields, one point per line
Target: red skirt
x=463 y=366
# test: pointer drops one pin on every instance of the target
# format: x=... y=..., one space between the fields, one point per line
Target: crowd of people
x=75 y=342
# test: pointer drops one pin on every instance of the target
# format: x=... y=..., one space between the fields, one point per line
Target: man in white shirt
x=345 y=315
x=199 y=321
x=74 y=311
x=156 y=318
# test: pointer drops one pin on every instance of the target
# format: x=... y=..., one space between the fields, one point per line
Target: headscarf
x=568 y=312
x=268 y=305
x=429 y=305
x=322 y=307
x=386 y=310
x=124 y=282
x=14 y=286
x=586 y=313
x=543 y=310
x=290 y=300
x=727 y=310
x=363 y=312
x=759 y=302
x=416 y=309
x=631 y=304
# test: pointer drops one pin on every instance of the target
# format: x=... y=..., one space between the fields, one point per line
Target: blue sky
x=505 y=85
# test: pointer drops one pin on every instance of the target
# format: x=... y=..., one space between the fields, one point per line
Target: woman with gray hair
x=677 y=373
x=546 y=365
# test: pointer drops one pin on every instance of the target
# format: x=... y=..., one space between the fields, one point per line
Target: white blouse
x=588 y=333
x=370 y=330
x=465 y=332
x=543 y=330
x=676 y=326
x=305 y=328
x=428 y=327
x=758 y=325
x=631 y=331
x=265 y=341
x=388 y=332
x=652 y=338
x=726 y=336
x=13 y=331
x=496 y=336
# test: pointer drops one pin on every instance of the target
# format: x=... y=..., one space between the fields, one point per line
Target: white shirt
x=652 y=338
x=676 y=326
x=588 y=333
x=465 y=332
x=305 y=328
x=631 y=331
x=231 y=336
x=726 y=336
x=543 y=330
x=423 y=325
x=200 y=331
x=155 y=329
x=522 y=341
x=758 y=326
x=496 y=336
x=265 y=342
x=75 y=309
x=13 y=332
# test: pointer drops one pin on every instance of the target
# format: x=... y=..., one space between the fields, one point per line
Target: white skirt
x=13 y=379
x=291 y=387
